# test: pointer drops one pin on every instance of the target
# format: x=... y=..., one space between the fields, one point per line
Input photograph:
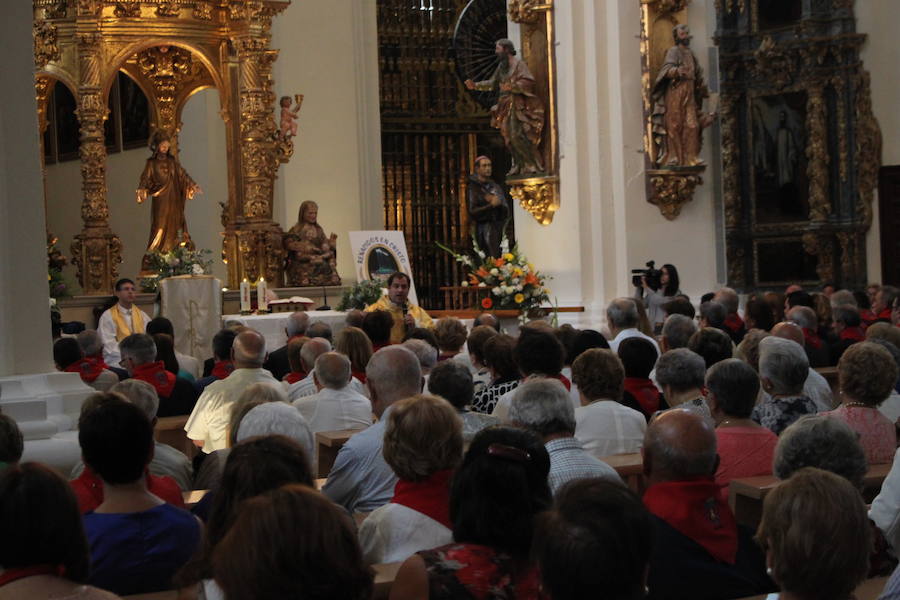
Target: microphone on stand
x=405 y=309
x=324 y=300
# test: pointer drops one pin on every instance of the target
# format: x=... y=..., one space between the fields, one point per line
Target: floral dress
x=472 y=571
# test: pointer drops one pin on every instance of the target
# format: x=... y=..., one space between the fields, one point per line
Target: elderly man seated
x=681 y=374
x=622 y=318
x=699 y=551
x=336 y=406
x=540 y=405
x=68 y=357
x=177 y=396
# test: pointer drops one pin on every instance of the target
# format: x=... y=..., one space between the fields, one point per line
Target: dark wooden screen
x=889 y=223
x=431 y=132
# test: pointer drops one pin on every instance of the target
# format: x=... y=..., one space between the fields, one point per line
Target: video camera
x=651 y=274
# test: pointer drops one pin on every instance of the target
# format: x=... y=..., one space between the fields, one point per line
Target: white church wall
x=328 y=53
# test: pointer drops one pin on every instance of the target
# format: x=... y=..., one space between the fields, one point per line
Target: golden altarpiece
x=171 y=49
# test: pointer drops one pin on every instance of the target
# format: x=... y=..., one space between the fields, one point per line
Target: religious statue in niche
x=168 y=184
x=288 y=116
x=311 y=257
x=778 y=128
x=519 y=112
x=488 y=207
x=677 y=97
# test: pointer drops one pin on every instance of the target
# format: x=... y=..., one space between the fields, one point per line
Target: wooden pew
x=167 y=595
x=384 y=579
x=192 y=497
x=630 y=468
x=745 y=496
x=170 y=431
x=329 y=444
x=869 y=589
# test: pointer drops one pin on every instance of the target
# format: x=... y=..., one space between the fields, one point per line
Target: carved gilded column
x=96 y=251
x=817 y=154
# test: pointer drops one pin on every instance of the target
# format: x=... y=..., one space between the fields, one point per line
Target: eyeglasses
x=124 y=363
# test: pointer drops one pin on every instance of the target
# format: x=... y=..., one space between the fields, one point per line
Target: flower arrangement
x=513 y=282
x=361 y=295
x=179 y=261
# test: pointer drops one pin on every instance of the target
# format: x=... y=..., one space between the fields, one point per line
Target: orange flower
x=487 y=303
x=499 y=262
x=482 y=272
x=473 y=280
x=531 y=279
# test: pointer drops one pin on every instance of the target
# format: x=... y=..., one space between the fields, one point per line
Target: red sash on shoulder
x=88 y=369
x=430 y=497
x=156 y=375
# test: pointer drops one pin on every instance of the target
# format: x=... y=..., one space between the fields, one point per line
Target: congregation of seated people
x=479 y=459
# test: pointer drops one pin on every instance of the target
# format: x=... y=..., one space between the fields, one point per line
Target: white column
x=24 y=299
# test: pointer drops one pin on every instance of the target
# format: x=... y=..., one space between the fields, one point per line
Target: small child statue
x=288 y=116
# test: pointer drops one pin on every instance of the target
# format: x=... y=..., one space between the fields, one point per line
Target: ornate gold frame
x=669 y=189
x=539 y=195
x=222 y=44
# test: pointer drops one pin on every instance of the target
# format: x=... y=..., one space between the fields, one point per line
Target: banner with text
x=377 y=254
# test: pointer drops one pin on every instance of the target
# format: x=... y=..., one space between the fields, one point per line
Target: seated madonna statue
x=311 y=257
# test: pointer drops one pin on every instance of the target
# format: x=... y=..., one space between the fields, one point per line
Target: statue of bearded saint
x=168 y=184
x=519 y=112
x=678 y=93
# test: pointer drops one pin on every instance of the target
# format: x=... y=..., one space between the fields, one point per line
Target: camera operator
x=654 y=299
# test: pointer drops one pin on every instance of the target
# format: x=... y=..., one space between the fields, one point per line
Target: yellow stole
x=122 y=330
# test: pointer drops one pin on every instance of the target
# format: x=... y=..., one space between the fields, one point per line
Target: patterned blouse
x=486 y=398
x=877 y=434
x=475 y=572
x=778 y=413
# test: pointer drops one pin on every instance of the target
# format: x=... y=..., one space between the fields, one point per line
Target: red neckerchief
x=734 y=322
x=156 y=375
x=16 y=573
x=222 y=369
x=361 y=375
x=89 y=370
x=854 y=334
x=884 y=315
x=644 y=392
x=867 y=316
x=294 y=377
x=696 y=509
x=812 y=338
x=97 y=359
x=565 y=381
x=430 y=497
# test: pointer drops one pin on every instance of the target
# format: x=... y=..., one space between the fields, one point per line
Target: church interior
x=572 y=173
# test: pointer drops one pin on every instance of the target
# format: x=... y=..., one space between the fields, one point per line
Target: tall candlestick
x=245 y=297
x=262 y=305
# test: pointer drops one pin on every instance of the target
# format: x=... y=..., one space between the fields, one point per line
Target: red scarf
x=812 y=338
x=430 y=497
x=734 y=322
x=222 y=369
x=16 y=573
x=854 y=334
x=565 y=381
x=87 y=368
x=294 y=377
x=156 y=375
x=696 y=509
x=644 y=392
x=361 y=375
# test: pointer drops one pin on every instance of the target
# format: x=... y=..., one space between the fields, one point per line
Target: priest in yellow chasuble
x=406 y=314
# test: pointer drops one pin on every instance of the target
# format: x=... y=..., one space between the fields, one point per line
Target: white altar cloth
x=272 y=325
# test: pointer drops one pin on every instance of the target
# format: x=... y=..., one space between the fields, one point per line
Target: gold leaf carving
x=539 y=196
x=671 y=190
x=46 y=48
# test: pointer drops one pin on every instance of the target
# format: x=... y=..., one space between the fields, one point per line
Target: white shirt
x=393 y=533
x=210 y=418
x=885 y=510
x=605 y=427
x=816 y=389
x=337 y=410
x=107 y=330
x=630 y=333
x=891 y=407
x=188 y=363
x=307 y=387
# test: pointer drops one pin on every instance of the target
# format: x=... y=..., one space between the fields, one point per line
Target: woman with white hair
x=783 y=369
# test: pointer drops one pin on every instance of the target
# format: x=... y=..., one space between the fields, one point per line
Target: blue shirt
x=138 y=553
x=360 y=480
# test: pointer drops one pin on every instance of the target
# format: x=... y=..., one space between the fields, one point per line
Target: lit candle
x=245 y=296
x=262 y=304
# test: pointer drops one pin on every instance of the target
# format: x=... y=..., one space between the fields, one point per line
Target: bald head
x=297 y=324
x=789 y=331
x=333 y=370
x=248 y=350
x=679 y=444
x=312 y=350
x=393 y=373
